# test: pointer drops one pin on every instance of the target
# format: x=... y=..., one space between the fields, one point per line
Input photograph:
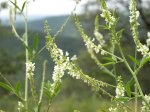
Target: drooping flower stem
x=27 y=58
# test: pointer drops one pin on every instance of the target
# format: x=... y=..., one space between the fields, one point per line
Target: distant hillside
x=55 y=23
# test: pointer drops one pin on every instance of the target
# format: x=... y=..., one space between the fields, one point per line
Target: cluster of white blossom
x=120 y=93
x=100 y=38
x=134 y=14
x=60 y=64
x=148 y=40
x=90 y=42
x=30 y=67
x=20 y=106
x=63 y=62
x=144 y=50
x=120 y=90
x=145 y=107
x=77 y=73
x=113 y=109
x=110 y=20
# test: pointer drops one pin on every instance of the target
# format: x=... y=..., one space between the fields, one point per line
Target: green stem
x=135 y=87
x=136 y=102
x=100 y=65
x=42 y=84
x=114 y=65
x=27 y=59
x=131 y=71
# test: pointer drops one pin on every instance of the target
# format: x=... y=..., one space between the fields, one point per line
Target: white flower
x=148 y=42
x=67 y=54
x=74 y=58
x=148 y=34
x=110 y=20
x=145 y=107
x=20 y=106
x=120 y=90
x=111 y=109
x=134 y=14
x=103 y=52
x=91 y=46
x=30 y=67
x=99 y=37
x=144 y=50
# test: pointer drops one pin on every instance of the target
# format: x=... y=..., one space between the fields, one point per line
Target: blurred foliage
x=10 y=64
x=74 y=94
x=3 y=5
x=5 y=32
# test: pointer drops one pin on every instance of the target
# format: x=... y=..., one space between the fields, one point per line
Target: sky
x=41 y=8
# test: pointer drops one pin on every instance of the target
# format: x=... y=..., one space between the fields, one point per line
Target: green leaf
x=18 y=87
x=23 y=6
x=57 y=86
x=35 y=42
x=103 y=27
x=128 y=88
x=15 y=10
x=39 y=107
x=47 y=89
x=144 y=61
x=123 y=99
x=96 y=23
x=134 y=60
x=15 y=4
x=6 y=86
x=119 y=34
x=108 y=59
x=109 y=63
x=47 y=93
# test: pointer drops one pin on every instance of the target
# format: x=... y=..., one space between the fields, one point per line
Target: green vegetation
x=38 y=76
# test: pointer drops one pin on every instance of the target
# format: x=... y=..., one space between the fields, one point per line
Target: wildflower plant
x=66 y=65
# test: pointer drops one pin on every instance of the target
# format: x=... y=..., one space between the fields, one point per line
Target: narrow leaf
x=134 y=60
x=144 y=61
x=23 y=6
x=6 y=86
x=123 y=99
x=15 y=9
x=96 y=23
x=15 y=5
x=35 y=42
x=119 y=34
x=18 y=87
x=109 y=63
x=108 y=59
x=128 y=89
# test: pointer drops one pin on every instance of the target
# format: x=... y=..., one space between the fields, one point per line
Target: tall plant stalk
x=27 y=57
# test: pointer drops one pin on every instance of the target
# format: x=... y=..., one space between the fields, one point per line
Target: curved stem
x=100 y=65
x=131 y=71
